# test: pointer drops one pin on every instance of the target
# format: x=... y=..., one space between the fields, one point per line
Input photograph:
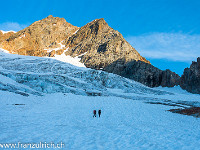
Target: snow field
x=124 y=123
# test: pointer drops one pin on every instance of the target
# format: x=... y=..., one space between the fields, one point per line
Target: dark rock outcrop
x=169 y=78
x=144 y=73
x=190 y=80
x=192 y=111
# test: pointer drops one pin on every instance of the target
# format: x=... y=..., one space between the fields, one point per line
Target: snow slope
x=69 y=59
x=46 y=100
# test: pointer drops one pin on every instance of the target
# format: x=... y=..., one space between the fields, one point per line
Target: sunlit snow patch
x=68 y=59
x=4 y=32
x=4 y=51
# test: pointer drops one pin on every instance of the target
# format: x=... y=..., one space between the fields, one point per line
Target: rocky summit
x=190 y=80
x=96 y=44
x=101 y=45
x=40 y=36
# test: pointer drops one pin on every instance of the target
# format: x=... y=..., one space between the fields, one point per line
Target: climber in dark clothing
x=99 y=112
x=94 y=113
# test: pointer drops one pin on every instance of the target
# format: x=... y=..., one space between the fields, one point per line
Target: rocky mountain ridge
x=97 y=45
x=190 y=80
x=40 y=36
x=101 y=45
x=144 y=73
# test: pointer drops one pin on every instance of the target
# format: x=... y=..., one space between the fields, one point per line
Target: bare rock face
x=4 y=36
x=144 y=73
x=100 y=45
x=190 y=80
x=43 y=34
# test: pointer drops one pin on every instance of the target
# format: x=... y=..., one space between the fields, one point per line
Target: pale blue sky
x=164 y=31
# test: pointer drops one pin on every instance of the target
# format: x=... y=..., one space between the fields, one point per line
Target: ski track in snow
x=57 y=108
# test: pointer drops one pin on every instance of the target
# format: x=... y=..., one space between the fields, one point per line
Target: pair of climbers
x=95 y=112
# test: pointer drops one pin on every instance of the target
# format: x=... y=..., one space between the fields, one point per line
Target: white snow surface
x=69 y=59
x=4 y=32
x=57 y=100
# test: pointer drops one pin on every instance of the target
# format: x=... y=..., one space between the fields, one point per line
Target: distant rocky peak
x=98 y=23
x=53 y=22
x=97 y=26
x=50 y=17
x=95 y=31
x=39 y=37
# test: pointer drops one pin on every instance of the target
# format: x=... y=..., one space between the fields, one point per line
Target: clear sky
x=167 y=32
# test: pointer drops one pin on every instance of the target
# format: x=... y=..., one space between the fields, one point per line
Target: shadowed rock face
x=43 y=34
x=169 y=78
x=101 y=45
x=144 y=73
x=190 y=80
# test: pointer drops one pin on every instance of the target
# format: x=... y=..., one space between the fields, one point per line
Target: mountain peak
x=40 y=35
x=50 y=16
x=100 y=45
x=101 y=20
x=98 y=22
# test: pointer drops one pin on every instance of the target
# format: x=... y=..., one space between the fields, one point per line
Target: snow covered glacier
x=36 y=75
x=46 y=100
